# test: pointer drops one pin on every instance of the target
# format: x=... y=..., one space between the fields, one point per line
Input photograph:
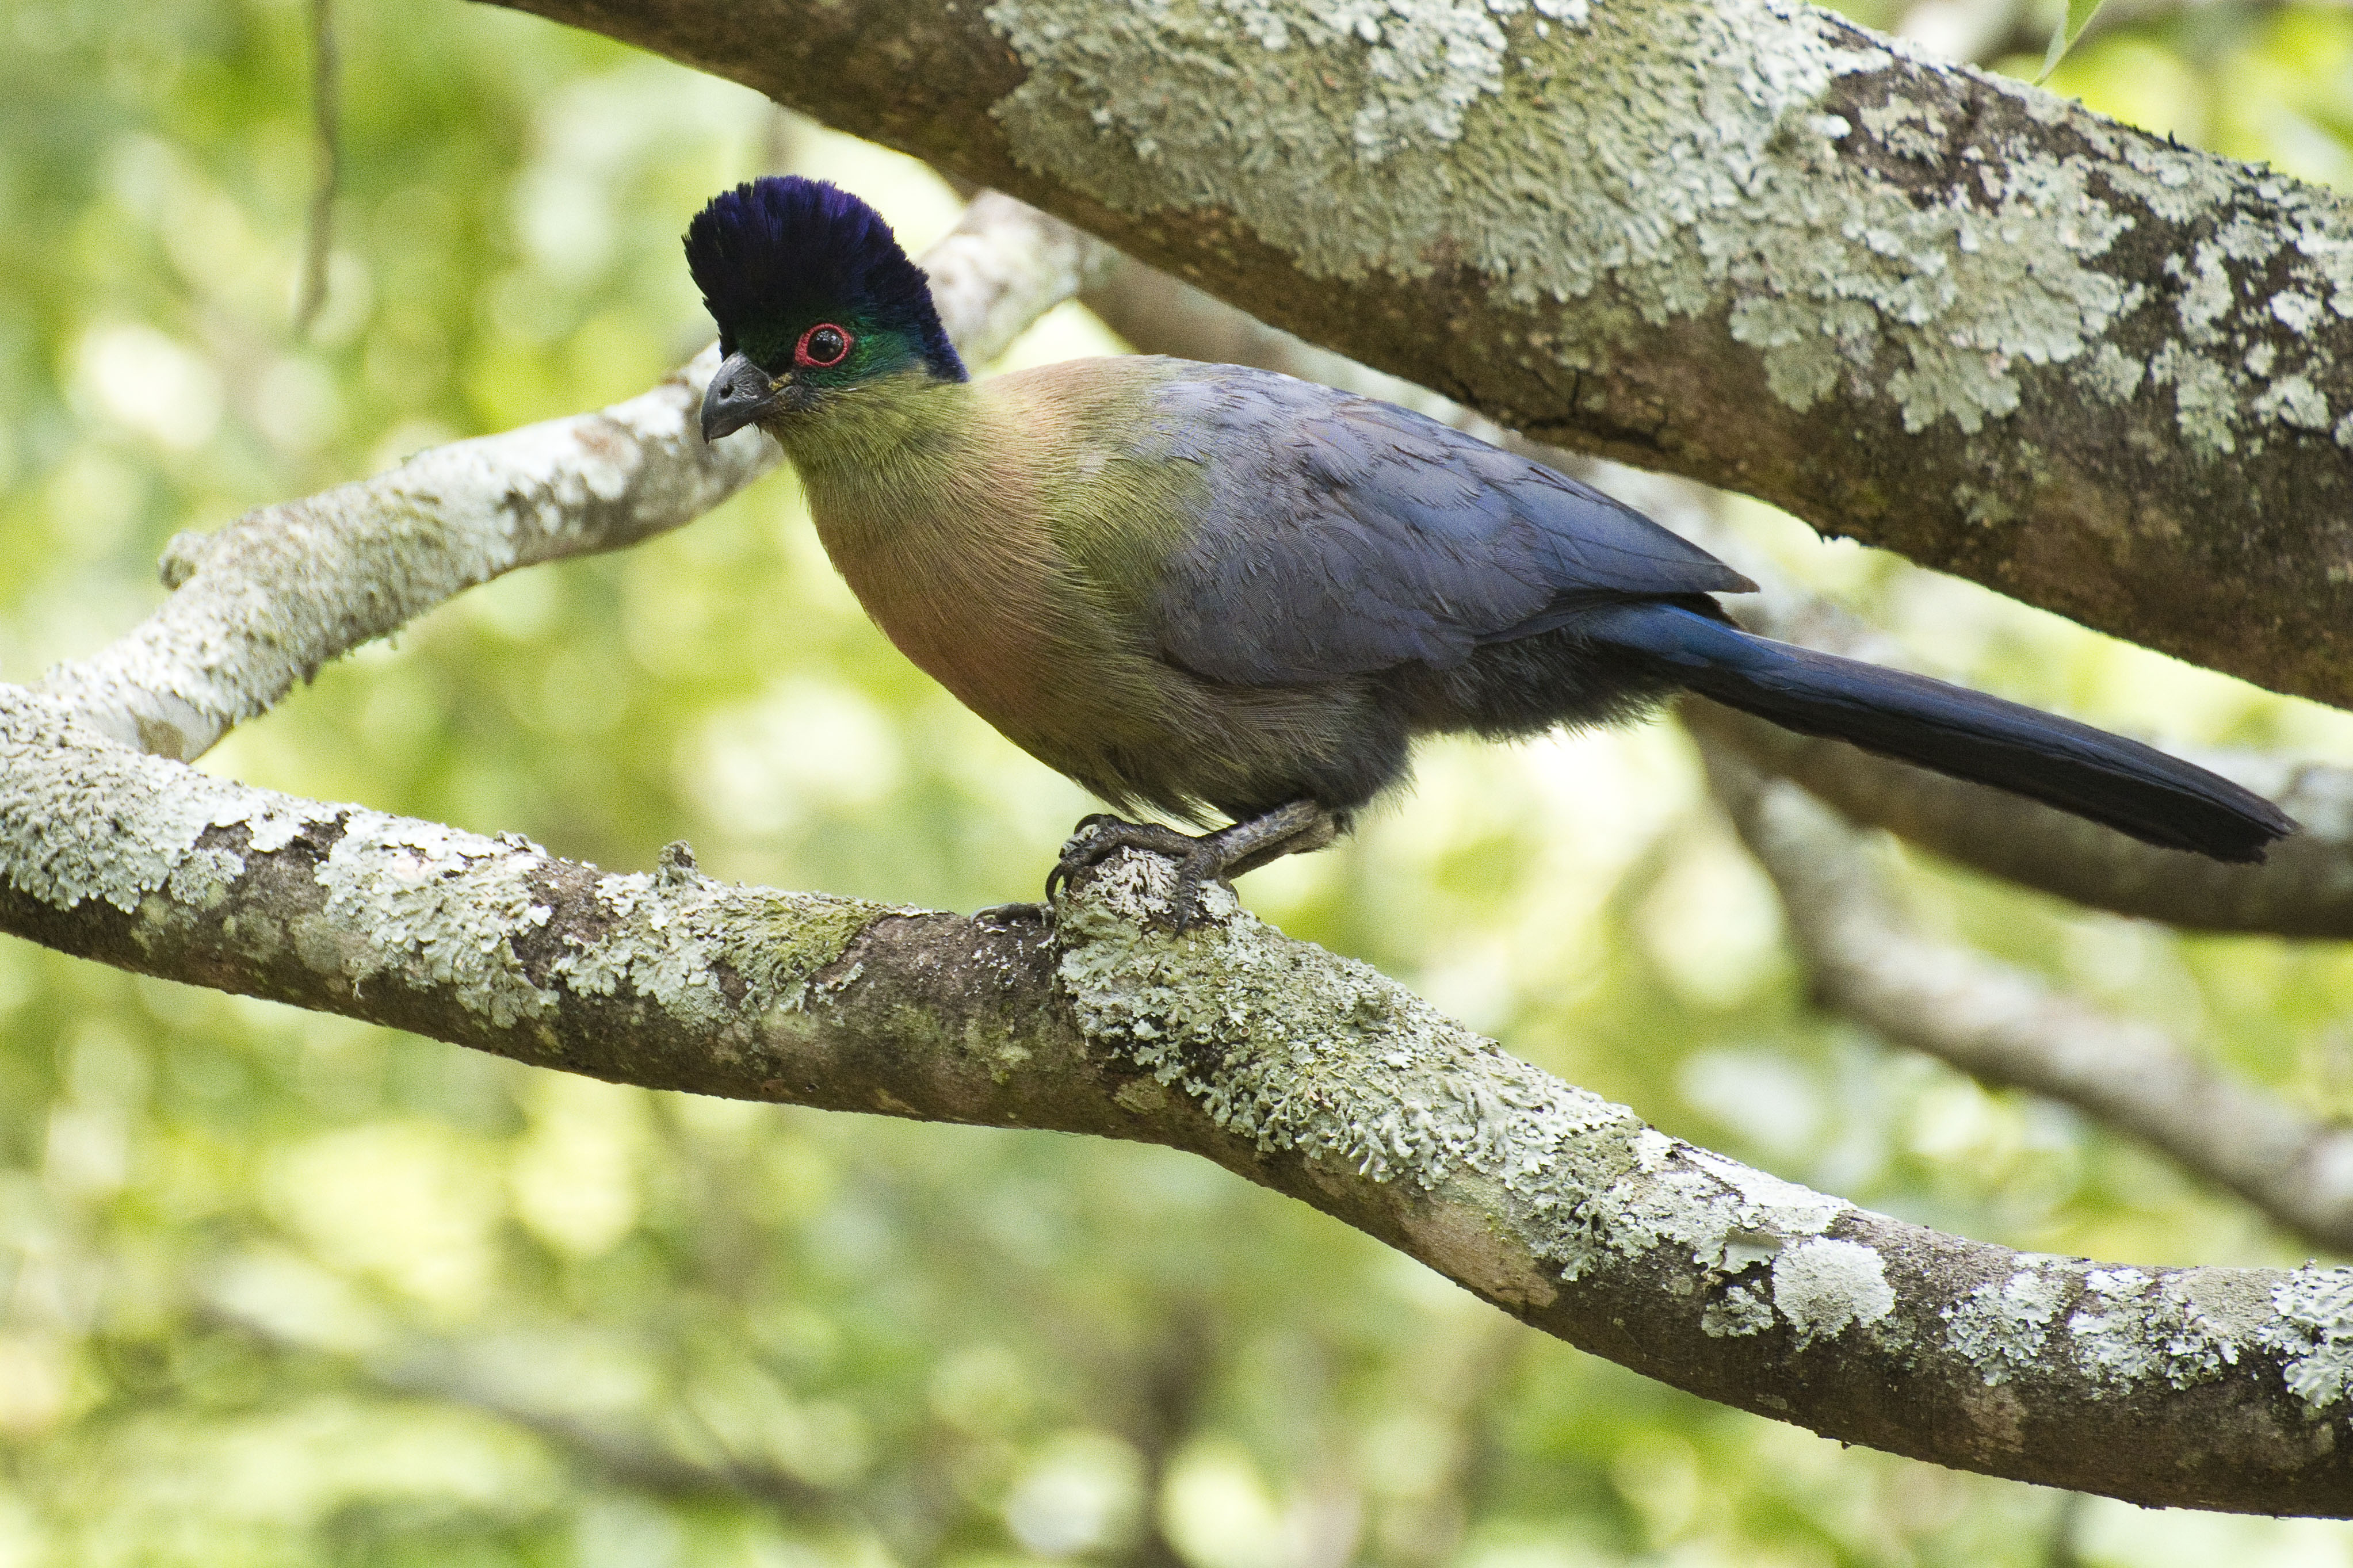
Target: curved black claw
x=1098 y=835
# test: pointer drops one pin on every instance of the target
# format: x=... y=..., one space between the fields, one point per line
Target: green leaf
x=2072 y=23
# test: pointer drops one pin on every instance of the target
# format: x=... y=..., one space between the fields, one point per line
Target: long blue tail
x=2130 y=787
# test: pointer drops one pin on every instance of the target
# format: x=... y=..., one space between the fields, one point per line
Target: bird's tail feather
x=2130 y=787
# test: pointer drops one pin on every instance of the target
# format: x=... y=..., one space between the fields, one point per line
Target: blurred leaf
x=2063 y=33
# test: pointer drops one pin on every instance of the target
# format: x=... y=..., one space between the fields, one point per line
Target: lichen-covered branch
x=266 y=601
x=1745 y=240
x=2304 y=890
x=2005 y=1026
x=2210 y=1387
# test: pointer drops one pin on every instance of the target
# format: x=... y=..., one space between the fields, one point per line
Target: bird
x=1212 y=591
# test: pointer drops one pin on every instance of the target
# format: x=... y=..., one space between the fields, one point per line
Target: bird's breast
x=964 y=578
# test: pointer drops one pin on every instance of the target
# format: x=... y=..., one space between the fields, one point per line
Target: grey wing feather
x=1345 y=536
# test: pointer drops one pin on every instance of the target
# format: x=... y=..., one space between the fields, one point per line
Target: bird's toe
x=1102 y=835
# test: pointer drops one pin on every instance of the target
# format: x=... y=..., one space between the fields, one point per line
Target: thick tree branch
x=2003 y=1026
x=2210 y=1387
x=2304 y=890
x=1741 y=239
x=266 y=601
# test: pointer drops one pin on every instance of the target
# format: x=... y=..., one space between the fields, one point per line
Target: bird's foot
x=1201 y=859
x=1099 y=837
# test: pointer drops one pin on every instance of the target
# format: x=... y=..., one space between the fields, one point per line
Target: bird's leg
x=1293 y=829
x=1300 y=828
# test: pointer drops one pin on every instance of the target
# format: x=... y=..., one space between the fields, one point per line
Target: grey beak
x=739 y=392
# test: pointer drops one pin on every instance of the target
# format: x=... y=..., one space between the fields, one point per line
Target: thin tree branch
x=2005 y=1026
x=266 y=601
x=2225 y=1388
x=2304 y=890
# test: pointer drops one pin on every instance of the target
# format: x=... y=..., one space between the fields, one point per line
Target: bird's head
x=812 y=295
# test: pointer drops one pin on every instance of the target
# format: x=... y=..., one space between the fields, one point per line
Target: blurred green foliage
x=278 y=1289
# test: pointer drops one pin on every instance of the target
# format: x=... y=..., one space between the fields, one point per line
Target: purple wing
x=1345 y=536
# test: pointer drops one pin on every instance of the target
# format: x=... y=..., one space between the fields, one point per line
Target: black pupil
x=828 y=344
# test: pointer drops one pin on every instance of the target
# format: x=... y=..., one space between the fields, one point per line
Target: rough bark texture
x=2224 y=1388
x=1740 y=239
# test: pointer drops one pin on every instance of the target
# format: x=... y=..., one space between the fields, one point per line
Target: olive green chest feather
x=1000 y=535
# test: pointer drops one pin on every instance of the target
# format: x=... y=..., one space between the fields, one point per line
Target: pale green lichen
x=2113 y=374
x=1680 y=154
x=2203 y=1337
x=1288 y=1046
x=1825 y=1285
x=1999 y=1328
x=2108 y=1335
x=2234 y=379
x=670 y=938
x=1744 y=1310
x=2313 y=1335
x=1729 y=1218
x=81 y=819
x=2181 y=1327
x=430 y=907
x=434 y=908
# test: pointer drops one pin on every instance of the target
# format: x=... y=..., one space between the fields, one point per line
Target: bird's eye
x=823 y=346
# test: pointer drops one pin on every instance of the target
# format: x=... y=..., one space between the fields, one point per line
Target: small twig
x=319 y=235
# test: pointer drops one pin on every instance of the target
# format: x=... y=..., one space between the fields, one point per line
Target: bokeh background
x=278 y=1289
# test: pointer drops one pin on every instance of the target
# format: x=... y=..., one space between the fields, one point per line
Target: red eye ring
x=823 y=352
